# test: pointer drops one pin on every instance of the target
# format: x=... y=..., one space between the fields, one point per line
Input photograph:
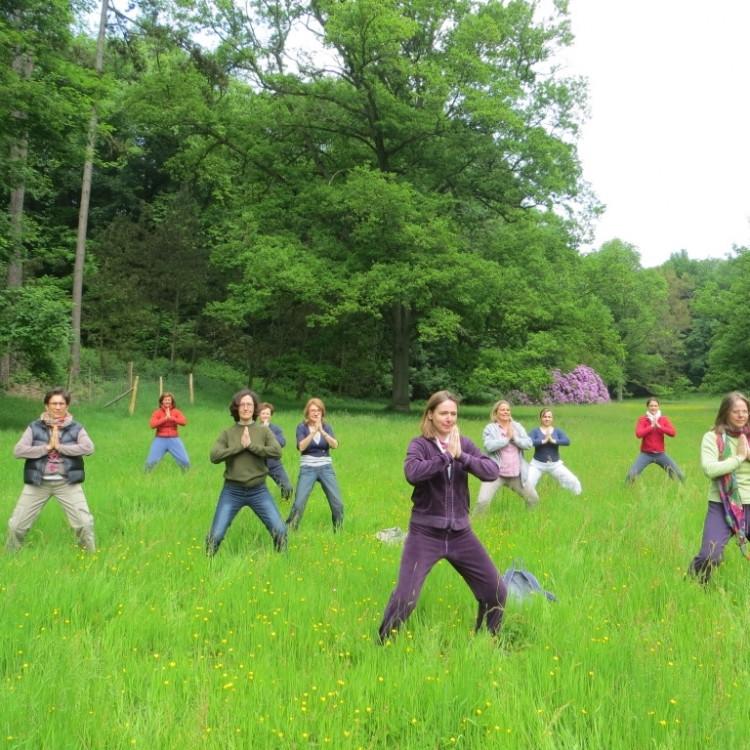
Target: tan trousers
x=35 y=497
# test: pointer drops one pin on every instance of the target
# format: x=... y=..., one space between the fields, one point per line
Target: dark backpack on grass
x=521 y=584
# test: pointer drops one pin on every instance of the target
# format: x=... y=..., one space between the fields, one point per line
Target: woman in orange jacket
x=165 y=421
x=651 y=429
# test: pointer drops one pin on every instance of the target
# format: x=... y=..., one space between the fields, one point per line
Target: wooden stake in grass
x=133 y=397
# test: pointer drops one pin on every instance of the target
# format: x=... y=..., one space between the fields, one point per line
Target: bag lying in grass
x=394 y=535
x=522 y=584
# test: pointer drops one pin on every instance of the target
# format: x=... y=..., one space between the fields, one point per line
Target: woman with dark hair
x=438 y=464
x=651 y=429
x=547 y=440
x=725 y=459
x=244 y=448
x=504 y=442
x=276 y=469
x=53 y=448
x=165 y=421
x=315 y=439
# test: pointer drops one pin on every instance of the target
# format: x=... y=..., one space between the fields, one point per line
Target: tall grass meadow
x=150 y=644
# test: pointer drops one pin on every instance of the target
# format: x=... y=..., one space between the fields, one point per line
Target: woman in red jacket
x=165 y=421
x=651 y=429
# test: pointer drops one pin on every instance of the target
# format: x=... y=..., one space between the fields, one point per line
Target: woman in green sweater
x=244 y=449
x=725 y=459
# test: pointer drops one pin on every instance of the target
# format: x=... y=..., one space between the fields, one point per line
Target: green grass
x=149 y=644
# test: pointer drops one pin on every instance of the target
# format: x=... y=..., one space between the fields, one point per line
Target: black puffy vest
x=33 y=469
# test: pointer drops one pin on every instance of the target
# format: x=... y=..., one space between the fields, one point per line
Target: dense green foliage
x=365 y=198
x=148 y=644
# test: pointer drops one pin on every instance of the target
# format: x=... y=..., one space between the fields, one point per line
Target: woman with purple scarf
x=438 y=464
x=725 y=458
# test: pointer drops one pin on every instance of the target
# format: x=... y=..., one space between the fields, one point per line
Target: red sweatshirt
x=652 y=436
x=167 y=427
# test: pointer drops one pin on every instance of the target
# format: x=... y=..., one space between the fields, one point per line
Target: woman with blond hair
x=437 y=465
x=504 y=442
x=315 y=438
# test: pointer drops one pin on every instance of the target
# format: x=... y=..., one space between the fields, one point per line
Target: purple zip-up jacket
x=441 y=497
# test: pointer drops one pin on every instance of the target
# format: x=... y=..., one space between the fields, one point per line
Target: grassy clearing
x=149 y=644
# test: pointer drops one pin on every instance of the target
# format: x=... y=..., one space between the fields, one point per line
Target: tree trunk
x=342 y=365
x=157 y=337
x=175 y=323
x=83 y=211
x=301 y=387
x=23 y=65
x=401 y=321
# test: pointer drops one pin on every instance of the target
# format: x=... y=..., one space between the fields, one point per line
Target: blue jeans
x=163 y=445
x=308 y=475
x=277 y=472
x=662 y=459
x=232 y=499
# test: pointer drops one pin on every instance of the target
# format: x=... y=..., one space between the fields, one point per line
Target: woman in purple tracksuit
x=438 y=465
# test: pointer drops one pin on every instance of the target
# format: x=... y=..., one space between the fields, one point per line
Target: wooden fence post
x=161 y=385
x=130 y=374
x=133 y=397
x=190 y=386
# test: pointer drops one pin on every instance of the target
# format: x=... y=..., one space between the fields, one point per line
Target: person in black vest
x=53 y=446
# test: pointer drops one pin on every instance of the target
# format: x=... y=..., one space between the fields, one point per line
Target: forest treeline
x=368 y=198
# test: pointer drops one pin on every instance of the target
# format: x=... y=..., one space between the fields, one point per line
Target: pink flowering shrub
x=580 y=386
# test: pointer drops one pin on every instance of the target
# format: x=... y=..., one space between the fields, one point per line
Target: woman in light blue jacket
x=504 y=442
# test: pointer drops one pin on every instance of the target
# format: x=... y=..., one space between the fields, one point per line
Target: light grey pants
x=556 y=469
x=35 y=497
x=487 y=491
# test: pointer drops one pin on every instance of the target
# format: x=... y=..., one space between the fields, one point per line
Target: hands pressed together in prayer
x=454 y=442
x=743 y=449
x=54 y=440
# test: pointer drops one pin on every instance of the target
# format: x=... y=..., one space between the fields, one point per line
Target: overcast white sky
x=667 y=147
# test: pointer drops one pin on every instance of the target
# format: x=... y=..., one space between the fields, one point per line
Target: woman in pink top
x=504 y=442
x=165 y=421
x=651 y=429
